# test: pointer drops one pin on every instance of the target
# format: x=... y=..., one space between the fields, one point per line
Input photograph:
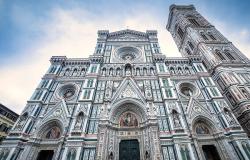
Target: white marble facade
x=185 y=108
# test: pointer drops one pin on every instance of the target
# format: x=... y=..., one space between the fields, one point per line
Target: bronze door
x=129 y=150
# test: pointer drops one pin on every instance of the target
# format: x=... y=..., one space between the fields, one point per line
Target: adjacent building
x=129 y=101
x=7 y=120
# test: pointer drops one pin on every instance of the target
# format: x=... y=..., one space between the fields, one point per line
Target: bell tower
x=196 y=38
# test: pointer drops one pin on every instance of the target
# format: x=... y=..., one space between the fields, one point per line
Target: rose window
x=128 y=53
x=188 y=89
x=67 y=91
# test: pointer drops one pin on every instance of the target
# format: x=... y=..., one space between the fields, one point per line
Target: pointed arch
x=229 y=55
x=211 y=126
x=128 y=104
x=45 y=128
x=219 y=55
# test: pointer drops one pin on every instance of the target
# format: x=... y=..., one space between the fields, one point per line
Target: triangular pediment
x=195 y=108
x=128 y=89
x=59 y=111
x=127 y=34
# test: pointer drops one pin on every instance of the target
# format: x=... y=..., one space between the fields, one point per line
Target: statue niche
x=128 y=120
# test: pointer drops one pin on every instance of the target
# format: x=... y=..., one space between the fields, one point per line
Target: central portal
x=210 y=152
x=129 y=150
x=45 y=155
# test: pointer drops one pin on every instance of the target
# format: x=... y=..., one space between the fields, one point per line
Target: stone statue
x=229 y=117
x=111 y=156
x=78 y=122
x=176 y=120
x=147 y=155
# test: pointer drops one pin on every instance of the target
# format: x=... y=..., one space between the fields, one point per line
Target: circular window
x=67 y=91
x=128 y=53
x=188 y=89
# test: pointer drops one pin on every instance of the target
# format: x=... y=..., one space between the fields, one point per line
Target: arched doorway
x=49 y=134
x=204 y=130
x=128 y=134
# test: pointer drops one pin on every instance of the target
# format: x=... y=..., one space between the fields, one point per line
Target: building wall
x=7 y=120
x=175 y=106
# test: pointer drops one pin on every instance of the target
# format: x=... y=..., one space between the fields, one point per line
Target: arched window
x=137 y=71
x=28 y=129
x=74 y=72
x=168 y=93
x=194 y=22
x=229 y=55
x=179 y=70
x=103 y=71
x=66 y=73
x=3 y=127
x=86 y=94
x=144 y=71
x=211 y=36
x=219 y=55
x=37 y=111
x=71 y=154
x=118 y=72
x=93 y=69
x=203 y=36
x=246 y=148
x=171 y=70
x=22 y=120
x=188 y=51
x=53 y=69
x=152 y=71
x=191 y=45
x=111 y=71
x=200 y=68
x=90 y=83
x=4 y=154
x=185 y=153
x=187 y=70
x=83 y=71
x=180 y=32
x=244 y=92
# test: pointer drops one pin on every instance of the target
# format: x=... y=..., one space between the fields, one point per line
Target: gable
x=127 y=35
x=128 y=89
x=195 y=108
x=59 y=111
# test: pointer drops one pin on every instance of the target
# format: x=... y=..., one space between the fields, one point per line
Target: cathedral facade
x=128 y=101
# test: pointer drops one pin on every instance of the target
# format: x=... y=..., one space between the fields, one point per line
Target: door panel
x=129 y=150
x=45 y=155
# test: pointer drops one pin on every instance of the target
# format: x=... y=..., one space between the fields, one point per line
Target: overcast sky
x=33 y=31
